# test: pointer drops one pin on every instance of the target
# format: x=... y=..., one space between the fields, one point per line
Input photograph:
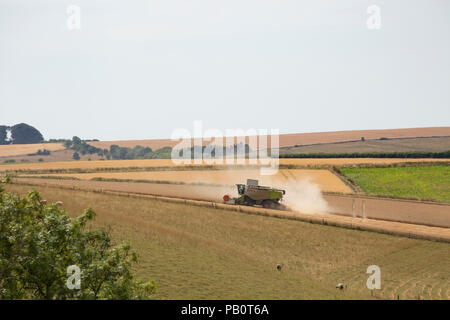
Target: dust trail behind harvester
x=301 y=195
x=304 y=196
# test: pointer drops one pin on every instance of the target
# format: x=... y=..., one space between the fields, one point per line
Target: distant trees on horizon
x=21 y=133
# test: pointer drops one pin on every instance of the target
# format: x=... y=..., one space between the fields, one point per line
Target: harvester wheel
x=249 y=201
x=266 y=204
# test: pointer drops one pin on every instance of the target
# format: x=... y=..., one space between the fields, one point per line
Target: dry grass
x=92 y=165
x=23 y=149
x=195 y=252
x=323 y=178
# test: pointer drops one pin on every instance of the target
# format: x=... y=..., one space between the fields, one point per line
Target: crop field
x=323 y=178
x=289 y=140
x=66 y=165
x=423 y=183
x=431 y=144
x=24 y=149
x=193 y=252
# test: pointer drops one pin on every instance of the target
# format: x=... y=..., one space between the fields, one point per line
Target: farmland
x=195 y=252
x=323 y=178
x=423 y=183
x=200 y=252
x=24 y=149
x=430 y=144
x=290 y=140
x=155 y=163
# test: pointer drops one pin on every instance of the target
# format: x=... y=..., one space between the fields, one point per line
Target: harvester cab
x=252 y=193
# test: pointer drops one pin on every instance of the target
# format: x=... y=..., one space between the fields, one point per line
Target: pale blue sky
x=140 y=69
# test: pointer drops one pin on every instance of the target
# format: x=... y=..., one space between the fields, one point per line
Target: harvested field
x=385 y=209
x=211 y=193
x=24 y=149
x=438 y=144
x=288 y=140
x=408 y=211
x=168 y=163
x=323 y=178
x=202 y=253
x=55 y=156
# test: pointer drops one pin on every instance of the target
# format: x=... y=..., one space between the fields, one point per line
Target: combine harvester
x=253 y=194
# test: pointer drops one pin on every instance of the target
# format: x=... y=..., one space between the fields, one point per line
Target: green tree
x=68 y=144
x=38 y=242
x=76 y=140
x=76 y=156
x=23 y=133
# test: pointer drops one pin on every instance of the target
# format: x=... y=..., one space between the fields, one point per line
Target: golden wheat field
x=169 y=163
x=289 y=140
x=24 y=149
x=326 y=180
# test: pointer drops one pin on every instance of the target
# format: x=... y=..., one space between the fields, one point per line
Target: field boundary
x=7 y=168
x=365 y=196
x=380 y=226
x=348 y=182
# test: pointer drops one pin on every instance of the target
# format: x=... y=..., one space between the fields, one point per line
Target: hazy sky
x=141 y=69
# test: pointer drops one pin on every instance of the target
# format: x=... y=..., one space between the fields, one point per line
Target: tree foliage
x=23 y=133
x=38 y=242
x=411 y=154
x=3 y=135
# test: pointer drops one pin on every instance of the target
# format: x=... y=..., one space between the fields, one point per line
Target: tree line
x=409 y=154
x=116 y=152
x=21 y=133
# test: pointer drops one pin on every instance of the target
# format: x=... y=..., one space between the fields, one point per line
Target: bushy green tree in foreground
x=38 y=242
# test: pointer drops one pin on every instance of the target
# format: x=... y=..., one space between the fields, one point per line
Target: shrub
x=39 y=242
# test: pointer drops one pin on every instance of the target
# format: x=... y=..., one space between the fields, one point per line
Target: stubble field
x=203 y=253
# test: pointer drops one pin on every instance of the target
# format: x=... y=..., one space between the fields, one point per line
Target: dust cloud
x=304 y=196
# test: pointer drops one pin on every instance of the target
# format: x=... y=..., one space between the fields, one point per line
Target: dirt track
x=407 y=211
x=326 y=180
x=213 y=194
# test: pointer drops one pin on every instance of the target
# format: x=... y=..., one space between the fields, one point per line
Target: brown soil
x=323 y=178
x=406 y=211
x=287 y=140
x=212 y=194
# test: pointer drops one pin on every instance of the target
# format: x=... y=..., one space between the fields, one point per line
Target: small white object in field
x=59 y=203
x=340 y=286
